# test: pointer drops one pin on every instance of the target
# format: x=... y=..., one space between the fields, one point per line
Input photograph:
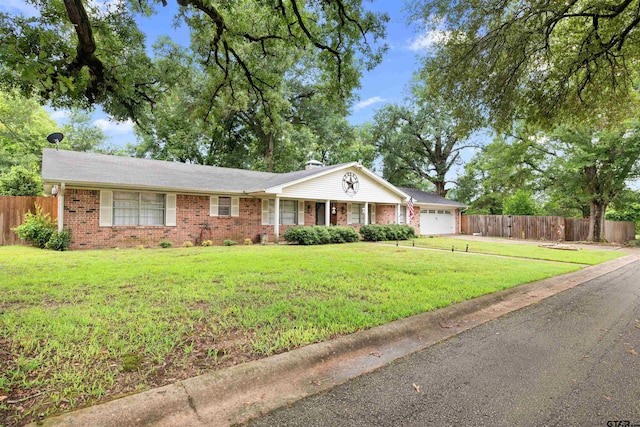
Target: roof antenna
x=55 y=138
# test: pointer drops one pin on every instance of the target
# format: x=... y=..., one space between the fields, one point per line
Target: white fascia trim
x=280 y=188
x=440 y=204
x=133 y=187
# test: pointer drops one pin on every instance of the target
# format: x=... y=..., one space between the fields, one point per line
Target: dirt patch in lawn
x=198 y=354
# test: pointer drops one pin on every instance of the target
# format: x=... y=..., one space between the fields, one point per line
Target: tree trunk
x=596 y=221
x=268 y=153
x=440 y=190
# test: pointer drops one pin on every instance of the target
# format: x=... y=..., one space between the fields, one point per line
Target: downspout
x=61 y=207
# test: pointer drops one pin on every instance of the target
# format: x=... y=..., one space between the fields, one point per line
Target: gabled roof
x=294 y=178
x=425 y=198
x=101 y=170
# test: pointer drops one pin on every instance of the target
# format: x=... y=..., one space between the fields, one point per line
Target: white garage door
x=437 y=221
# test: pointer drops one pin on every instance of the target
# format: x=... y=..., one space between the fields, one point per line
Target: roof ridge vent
x=313 y=164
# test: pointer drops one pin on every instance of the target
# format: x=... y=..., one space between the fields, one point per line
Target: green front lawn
x=80 y=326
x=519 y=250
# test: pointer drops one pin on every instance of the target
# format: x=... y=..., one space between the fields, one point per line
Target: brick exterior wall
x=82 y=212
x=193 y=223
x=385 y=214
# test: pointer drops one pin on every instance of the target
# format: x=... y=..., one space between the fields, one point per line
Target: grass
x=581 y=256
x=80 y=326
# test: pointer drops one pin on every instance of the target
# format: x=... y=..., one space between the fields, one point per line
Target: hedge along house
x=111 y=201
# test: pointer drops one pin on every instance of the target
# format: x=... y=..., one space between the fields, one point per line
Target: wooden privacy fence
x=552 y=228
x=12 y=210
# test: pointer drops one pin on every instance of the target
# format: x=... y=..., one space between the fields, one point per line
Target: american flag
x=410 y=208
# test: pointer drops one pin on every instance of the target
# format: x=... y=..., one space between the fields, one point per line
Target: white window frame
x=269 y=212
x=215 y=205
x=402 y=215
x=108 y=209
x=356 y=213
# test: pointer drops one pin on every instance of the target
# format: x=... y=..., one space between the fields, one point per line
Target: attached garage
x=438 y=215
x=437 y=221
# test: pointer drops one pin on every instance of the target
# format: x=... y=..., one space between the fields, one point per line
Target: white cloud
x=426 y=40
x=368 y=102
x=58 y=115
x=114 y=127
x=13 y=6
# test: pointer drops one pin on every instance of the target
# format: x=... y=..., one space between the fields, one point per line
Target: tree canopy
x=77 y=53
x=545 y=61
x=422 y=139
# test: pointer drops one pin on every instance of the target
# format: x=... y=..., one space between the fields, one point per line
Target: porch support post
x=398 y=207
x=327 y=213
x=276 y=222
x=366 y=213
x=60 y=207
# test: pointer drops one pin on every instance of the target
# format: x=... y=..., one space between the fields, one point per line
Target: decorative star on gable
x=350 y=183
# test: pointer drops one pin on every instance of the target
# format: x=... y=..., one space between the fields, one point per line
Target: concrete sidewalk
x=240 y=393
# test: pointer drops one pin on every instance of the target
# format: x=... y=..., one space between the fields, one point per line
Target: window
x=440 y=212
x=291 y=212
x=138 y=208
x=288 y=212
x=447 y=212
x=357 y=213
x=402 y=218
x=224 y=206
x=431 y=211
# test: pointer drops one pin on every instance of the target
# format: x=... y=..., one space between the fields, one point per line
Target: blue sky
x=385 y=83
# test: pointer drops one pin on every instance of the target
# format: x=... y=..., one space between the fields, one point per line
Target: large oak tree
x=548 y=61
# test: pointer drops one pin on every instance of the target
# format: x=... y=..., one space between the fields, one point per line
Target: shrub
x=376 y=232
x=248 y=241
x=59 y=240
x=230 y=242
x=320 y=235
x=302 y=235
x=207 y=243
x=345 y=235
x=166 y=244
x=373 y=233
x=187 y=244
x=36 y=229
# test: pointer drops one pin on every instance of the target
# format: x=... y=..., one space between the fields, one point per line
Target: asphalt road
x=570 y=360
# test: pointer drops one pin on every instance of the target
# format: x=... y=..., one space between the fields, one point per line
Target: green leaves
x=545 y=61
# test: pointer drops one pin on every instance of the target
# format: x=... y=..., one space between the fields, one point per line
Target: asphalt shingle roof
x=424 y=197
x=105 y=170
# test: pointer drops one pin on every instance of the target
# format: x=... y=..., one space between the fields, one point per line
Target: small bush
x=248 y=241
x=166 y=244
x=59 y=241
x=207 y=243
x=322 y=234
x=301 y=235
x=36 y=229
x=376 y=232
x=140 y=247
x=373 y=233
x=230 y=242
x=187 y=244
x=344 y=235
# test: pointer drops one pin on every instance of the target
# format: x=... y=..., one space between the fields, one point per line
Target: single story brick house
x=113 y=201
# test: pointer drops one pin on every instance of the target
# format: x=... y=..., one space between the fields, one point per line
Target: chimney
x=313 y=164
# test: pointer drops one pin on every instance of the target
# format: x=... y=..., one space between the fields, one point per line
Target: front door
x=320 y=211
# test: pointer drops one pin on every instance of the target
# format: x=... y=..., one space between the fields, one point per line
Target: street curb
x=240 y=393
